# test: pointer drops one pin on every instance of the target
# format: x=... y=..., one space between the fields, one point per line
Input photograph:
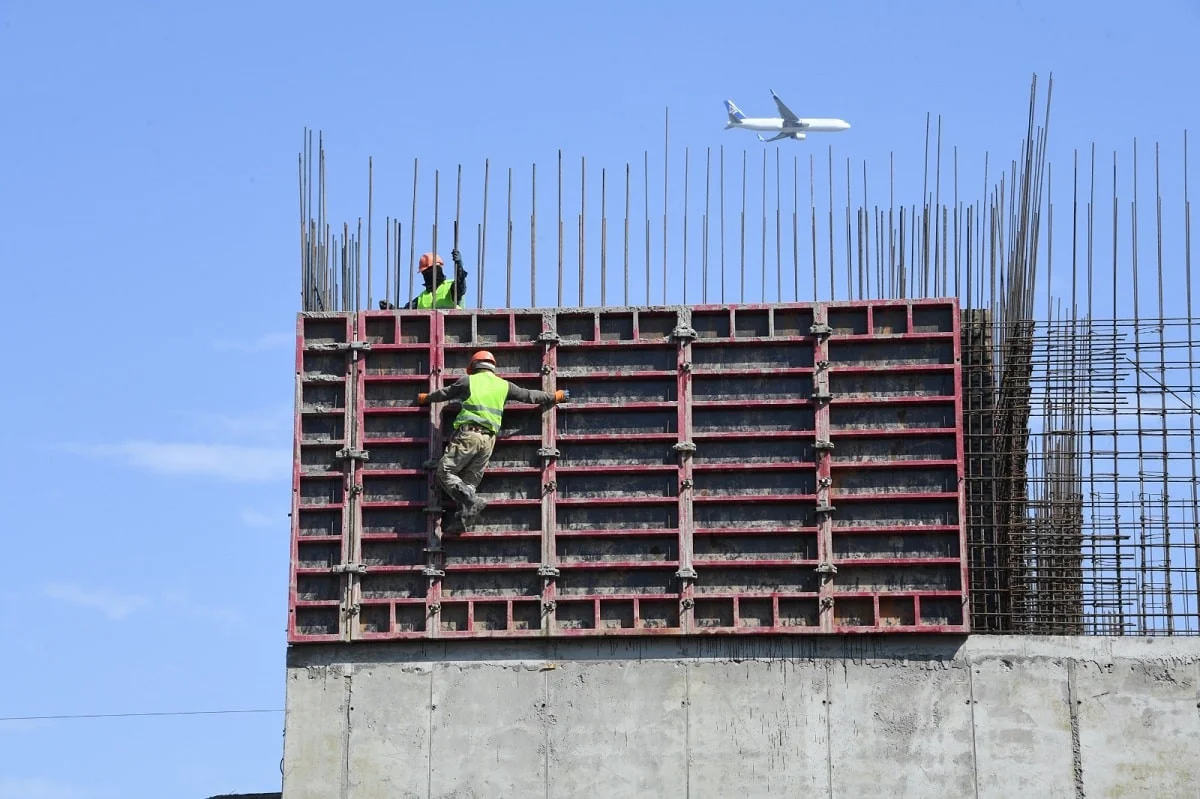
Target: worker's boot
x=469 y=506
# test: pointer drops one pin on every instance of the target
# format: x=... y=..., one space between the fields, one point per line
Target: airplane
x=787 y=123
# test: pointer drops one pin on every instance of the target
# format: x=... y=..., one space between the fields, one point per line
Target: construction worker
x=439 y=292
x=483 y=395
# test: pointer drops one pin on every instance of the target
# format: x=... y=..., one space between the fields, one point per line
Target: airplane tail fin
x=735 y=114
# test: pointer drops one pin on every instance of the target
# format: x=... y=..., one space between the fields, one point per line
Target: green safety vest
x=485 y=405
x=440 y=297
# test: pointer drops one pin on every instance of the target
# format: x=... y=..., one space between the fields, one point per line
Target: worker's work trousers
x=463 y=463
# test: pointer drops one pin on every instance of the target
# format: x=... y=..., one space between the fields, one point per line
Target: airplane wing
x=773 y=138
x=788 y=116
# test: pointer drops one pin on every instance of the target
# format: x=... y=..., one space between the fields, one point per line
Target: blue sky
x=148 y=233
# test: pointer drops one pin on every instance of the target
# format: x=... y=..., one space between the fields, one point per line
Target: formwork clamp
x=351 y=610
x=549 y=337
x=823 y=443
x=683 y=332
x=546 y=570
x=684 y=446
x=820 y=329
x=548 y=452
x=826 y=568
x=348 y=454
x=822 y=396
x=825 y=509
x=430 y=571
x=687 y=573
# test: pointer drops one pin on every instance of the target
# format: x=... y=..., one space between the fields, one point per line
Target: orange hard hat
x=428 y=260
x=481 y=357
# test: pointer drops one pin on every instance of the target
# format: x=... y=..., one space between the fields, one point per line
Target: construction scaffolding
x=1077 y=362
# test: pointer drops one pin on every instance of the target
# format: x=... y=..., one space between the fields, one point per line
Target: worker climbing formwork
x=483 y=395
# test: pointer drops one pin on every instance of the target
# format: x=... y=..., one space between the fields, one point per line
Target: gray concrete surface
x=985 y=716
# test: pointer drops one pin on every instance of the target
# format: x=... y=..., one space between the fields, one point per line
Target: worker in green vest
x=483 y=395
x=439 y=292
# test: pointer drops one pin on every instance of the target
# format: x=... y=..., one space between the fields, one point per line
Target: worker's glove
x=456 y=256
x=384 y=305
x=423 y=398
x=562 y=395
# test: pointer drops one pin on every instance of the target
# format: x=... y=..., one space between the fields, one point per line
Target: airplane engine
x=799 y=136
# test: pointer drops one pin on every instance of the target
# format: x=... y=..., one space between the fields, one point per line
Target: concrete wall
x=983 y=716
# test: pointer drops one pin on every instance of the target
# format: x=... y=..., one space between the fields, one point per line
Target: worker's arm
x=459 y=292
x=533 y=397
x=455 y=391
x=412 y=304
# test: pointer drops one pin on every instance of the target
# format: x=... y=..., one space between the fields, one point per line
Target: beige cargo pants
x=462 y=465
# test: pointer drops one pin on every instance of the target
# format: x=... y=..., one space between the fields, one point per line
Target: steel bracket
x=430 y=571
x=349 y=568
x=683 y=332
x=547 y=452
x=349 y=454
x=546 y=570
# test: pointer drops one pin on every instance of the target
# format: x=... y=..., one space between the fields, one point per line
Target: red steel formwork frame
x=720 y=470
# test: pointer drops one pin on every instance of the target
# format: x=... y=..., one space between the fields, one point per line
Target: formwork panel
x=718 y=470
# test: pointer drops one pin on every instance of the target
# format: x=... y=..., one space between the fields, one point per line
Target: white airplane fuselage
x=814 y=125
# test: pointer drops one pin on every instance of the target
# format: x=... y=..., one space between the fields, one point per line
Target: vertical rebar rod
x=626 y=266
x=370 y=217
x=722 y=192
x=666 y=164
x=646 y=213
x=796 y=228
x=1169 y=604
x=849 y=246
x=387 y=259
x=533 y=236
x=483 y=233
x=812 y=212
x=762 y=285
x=560 y=230
x=412 y=237
x=603 y=237
x=582 y=218
x=778 y=235
x=707 y=209
x=437 y=204
x=508 y=249
x=832 y=289
x=742 y=256
x=1187 y=270
x=459 y=300
x=686 y=170
x=1143 y=545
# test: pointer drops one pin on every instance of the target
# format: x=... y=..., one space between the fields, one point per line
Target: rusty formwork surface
x=719 y=470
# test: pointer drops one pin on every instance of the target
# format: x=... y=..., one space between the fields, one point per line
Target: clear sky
x=148 y=239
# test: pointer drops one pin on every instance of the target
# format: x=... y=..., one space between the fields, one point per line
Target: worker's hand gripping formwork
x=791 y=468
